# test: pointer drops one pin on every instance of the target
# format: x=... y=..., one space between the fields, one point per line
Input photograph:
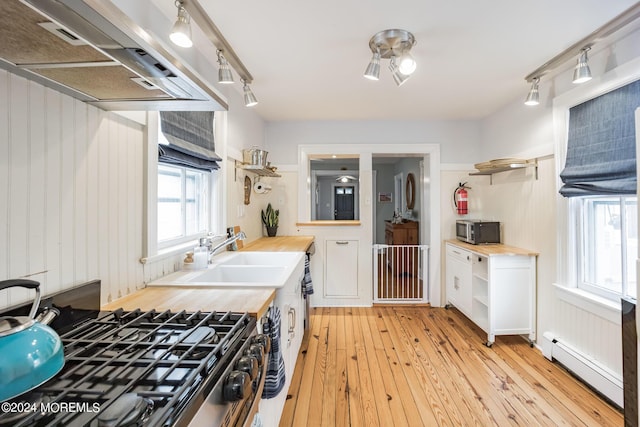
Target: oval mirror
x=410 y=191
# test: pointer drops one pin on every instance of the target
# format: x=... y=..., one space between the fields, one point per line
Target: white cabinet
x=290 y=301
x=458 y=278
x=494 y=286
x=341 y=268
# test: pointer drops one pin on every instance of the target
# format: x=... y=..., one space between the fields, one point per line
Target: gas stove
x=149 y=368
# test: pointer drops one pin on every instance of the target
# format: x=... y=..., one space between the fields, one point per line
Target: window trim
x=567 y=226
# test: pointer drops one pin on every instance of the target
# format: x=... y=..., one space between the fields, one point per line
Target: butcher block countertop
x=280 y=244
x=252 y=300
x=255 y=301
x=492 y=249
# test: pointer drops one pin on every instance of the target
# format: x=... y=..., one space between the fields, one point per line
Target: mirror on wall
x=335 y=187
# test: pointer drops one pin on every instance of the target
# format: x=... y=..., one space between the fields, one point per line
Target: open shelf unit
x=257 y=170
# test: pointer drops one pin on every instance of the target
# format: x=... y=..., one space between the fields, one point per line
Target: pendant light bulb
x=533 y=98
x=181 y=32
x=582 y=72
x=406 y=64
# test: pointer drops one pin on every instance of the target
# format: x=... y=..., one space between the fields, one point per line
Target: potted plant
x=270 y=220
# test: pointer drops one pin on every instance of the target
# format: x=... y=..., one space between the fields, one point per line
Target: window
x=608 y=250
x=183 y=204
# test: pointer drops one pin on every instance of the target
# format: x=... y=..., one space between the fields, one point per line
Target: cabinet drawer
x=459 y=254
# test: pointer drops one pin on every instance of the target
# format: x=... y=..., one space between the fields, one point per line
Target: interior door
x=344 y=202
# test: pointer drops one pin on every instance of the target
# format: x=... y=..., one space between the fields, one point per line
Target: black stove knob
x=257 y=351
x=237 y=386
x=264 y=340
x=249 y=365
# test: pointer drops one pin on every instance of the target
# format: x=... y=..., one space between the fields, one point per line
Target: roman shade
x=601 y=149
x=190 y=137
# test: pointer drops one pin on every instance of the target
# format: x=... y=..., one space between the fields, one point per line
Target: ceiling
x=307 y=58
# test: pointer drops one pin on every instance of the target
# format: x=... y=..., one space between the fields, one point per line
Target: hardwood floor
x=423 y=366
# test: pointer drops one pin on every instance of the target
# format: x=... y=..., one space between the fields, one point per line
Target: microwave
x=477 y=231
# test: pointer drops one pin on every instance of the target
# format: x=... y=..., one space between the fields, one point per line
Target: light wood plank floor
x=423 y=366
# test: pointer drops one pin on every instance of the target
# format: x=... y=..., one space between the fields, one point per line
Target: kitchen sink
x=257 y=258
x=241 y=269
x=250 y=274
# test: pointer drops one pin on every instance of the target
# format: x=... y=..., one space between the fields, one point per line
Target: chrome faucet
x=239 y=236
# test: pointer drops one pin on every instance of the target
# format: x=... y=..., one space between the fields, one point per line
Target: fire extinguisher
x=460 y=198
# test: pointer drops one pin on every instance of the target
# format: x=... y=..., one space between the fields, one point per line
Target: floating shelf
x=533 y=163
x=258 y=170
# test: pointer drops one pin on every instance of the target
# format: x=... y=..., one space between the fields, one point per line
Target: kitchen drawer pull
x=342 y=242
x=292 y=320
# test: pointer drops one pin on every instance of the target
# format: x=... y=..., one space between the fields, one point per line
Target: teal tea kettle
x=30 y=351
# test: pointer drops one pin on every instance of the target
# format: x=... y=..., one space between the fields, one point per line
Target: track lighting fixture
x=582 y=73
x=394 y=45
x=181 y=31
x=249 y=98
x=224 y=72
x=533 y=98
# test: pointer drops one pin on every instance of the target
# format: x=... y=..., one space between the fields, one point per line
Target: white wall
x=70 y=192
x=527 y=207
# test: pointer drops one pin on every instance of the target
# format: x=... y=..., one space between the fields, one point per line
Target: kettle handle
x=24 y=283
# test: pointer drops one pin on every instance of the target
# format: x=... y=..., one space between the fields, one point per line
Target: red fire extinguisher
x=460 y=198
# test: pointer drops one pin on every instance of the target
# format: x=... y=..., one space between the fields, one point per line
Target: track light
x=224 y=72
x=394 y=45
x=181 y=31
x=249 y=98
x=398 y=76
x=373 y=69
x=582 y=73
x=533 y=98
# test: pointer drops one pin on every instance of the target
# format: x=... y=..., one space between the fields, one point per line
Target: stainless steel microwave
x=477 y=231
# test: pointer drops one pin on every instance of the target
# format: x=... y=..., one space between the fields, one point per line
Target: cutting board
x=238 y=244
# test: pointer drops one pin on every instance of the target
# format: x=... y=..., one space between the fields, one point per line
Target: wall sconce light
x=181 y=30
x=394 y=45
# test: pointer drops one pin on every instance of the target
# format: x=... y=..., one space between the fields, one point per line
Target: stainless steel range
x=147 y=369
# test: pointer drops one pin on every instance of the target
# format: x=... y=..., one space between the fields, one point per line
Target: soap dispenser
x=201 y=255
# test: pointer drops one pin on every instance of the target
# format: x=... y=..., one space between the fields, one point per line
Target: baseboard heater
x=598 y=377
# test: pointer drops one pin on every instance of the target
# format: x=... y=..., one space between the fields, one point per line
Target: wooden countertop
x=280 y=244
x=255 y=301
x=492 y=248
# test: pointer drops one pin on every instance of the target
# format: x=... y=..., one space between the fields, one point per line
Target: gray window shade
x=601 y=150
x=190 y=136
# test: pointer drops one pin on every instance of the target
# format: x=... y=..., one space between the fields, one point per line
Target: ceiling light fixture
x=373 y=69
x=181 y=31
x=392 y=44
x=346 y=178
x=224 y=72
x=533 y=98
x=249 y=98
x=582 y=73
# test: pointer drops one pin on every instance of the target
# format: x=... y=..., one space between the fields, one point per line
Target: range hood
x=91 y=50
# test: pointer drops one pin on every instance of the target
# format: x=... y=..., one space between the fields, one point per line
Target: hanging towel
x=274 y=380
x=307 y=284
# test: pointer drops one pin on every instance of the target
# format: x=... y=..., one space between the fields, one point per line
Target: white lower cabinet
x=290 y=301
x=494 y=286
x=341 y=268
